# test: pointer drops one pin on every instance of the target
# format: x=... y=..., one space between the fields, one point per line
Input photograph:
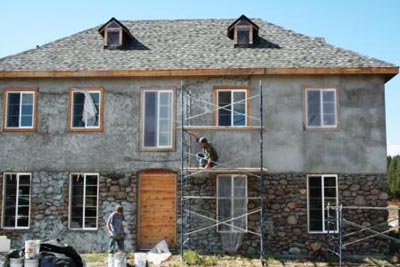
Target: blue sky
x=369 y=27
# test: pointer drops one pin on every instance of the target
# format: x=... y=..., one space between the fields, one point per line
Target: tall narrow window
x=243 y=35
x=157 y=112
x=321 y=108
x=17 y=200
x=232 y=203
x=84 y=194
x=232 y=107
x=20 y=109
x=322 y=189
x=86 y=109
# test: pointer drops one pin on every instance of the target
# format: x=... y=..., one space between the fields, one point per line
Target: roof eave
x=387 y=72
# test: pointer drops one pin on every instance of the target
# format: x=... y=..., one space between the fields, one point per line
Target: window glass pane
x=314 y=108
x=329 y=96
x=23 y=221
x=77 y=109
x=225 y=109
x=113 y=38
x=165 y=119
x=330 y=181
x=26 y=121
x=27 y=99
x=150 y=119
x=27 y=110
x=90 y=222
x=91 y=179
x=13 y=108
x=243 y=36
x=329 y=119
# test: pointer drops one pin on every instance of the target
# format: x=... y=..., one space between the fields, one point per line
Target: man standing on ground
x=115 y=229
x=209 y=157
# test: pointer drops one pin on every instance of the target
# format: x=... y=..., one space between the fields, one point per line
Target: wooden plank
x=157 y=208
x=389 y=72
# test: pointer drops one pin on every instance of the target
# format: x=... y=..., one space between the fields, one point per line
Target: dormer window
x=243 y=31
x=115 y=34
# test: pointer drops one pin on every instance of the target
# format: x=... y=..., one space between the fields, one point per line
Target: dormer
x=115 y=34
x=243 y=31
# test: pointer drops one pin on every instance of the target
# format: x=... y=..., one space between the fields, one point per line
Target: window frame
x=32 y=128
x=18 y=174
x=246 y=101
x=336 y=105
x=232 y=176
x=109 y=29
x=70 y=122
x=143 y=91
x=248 y=27
x=322 y=177
x=84 y=201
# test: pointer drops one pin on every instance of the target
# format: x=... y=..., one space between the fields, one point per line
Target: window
x=322 y=189
x=157 y=120
x=232 y=107
x=83 y=209
x=20 y=110
x=86 y=109
x=321 y=108
x=113 y=35
x=243 y=35
x=232 y=203
x=17 y=200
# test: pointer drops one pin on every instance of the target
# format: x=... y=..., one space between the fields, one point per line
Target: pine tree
x=394 y=176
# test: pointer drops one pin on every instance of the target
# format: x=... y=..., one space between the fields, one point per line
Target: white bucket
x=18 y=262
x=110 y=260
x=31 y=263
x=32 y=249
x=2 y=261
x=140 y=259
x=119 y=260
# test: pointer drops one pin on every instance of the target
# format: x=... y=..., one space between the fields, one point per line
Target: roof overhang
x=387 y=72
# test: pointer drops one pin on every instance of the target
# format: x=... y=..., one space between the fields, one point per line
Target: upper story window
x=115 y=34
x=243 y=31
x=232 y=106
x=157 y=119
x=322 y=189
x=86 y=109
x=232 y=203
x=17 y=200
x=20 y=109
x=84 y=196
x=321 y=108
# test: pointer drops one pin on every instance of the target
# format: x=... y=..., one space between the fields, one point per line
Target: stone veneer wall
x=285 y=223
x=49 y=210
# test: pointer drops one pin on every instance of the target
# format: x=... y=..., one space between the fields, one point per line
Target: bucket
x=119 y=260
x=32 y=248
x=16 y=262
x=2 y=261
x=31 y=263
x=110 y=260
x=140 y=259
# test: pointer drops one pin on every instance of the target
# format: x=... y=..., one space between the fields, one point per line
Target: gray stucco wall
x=357 y=146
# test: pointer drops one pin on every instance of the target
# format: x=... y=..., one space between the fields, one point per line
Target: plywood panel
x=157 y=208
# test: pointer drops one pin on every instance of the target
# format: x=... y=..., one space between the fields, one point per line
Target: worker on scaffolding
x=209 y=157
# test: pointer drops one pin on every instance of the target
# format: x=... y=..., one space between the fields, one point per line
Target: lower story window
x=17 y=200
x=322 y=190
x=84 y=192
x=232 y=203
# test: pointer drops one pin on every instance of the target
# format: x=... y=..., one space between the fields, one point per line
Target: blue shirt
x=115 y=220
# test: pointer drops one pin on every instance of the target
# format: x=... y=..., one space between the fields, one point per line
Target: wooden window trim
x=70 y=201
x=101 y=113
x=246 y=197
x=35 y=109
x=4 y=202
x=173 y=118
x=305 y=109
x=322 y=177
x=232 y=88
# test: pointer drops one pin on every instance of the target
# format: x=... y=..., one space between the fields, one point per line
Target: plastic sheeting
x=159 y=253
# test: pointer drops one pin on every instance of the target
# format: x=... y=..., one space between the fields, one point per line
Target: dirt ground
x=174 y=261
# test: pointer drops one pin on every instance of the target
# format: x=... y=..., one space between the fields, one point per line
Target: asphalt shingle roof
x=187 y=44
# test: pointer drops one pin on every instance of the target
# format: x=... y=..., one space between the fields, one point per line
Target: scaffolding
x=337 y=238
x=188 y=173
